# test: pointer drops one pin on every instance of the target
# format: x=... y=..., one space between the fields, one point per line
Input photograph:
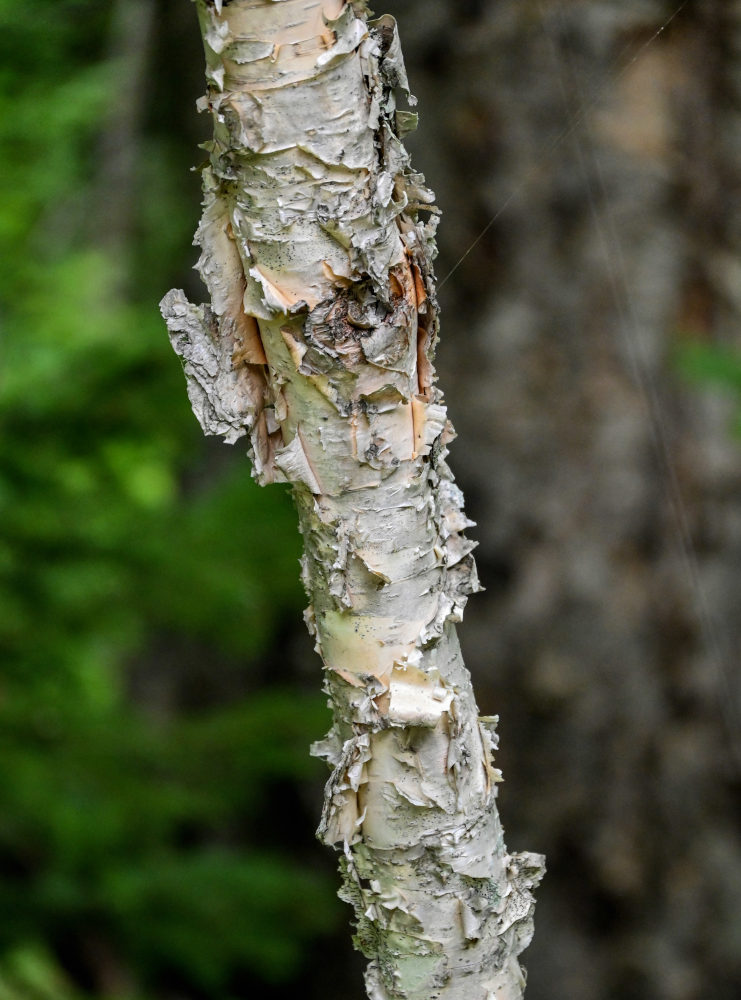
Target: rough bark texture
x=318 y=344
x=600 y=136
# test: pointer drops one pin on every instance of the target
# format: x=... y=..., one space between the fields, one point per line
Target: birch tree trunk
x=318 y=345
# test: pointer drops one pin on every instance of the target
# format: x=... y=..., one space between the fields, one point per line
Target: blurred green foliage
x=710 y=365
x=129 y=833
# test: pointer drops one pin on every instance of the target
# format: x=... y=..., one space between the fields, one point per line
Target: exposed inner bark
x=318 y=345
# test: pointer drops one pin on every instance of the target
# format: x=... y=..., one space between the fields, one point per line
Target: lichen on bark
x=318 y=346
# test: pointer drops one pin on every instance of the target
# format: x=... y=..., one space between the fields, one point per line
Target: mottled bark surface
x=318 y=345
x=590 y=638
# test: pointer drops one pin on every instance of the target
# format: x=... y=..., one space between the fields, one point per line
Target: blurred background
x=158 y=692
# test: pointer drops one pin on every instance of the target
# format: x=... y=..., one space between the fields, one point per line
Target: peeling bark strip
x=318 y=345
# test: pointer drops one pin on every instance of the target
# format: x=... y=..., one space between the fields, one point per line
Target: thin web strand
x=575 y=121
x=630 y=327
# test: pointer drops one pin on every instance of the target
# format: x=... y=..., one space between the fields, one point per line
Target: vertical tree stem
x=318 y=344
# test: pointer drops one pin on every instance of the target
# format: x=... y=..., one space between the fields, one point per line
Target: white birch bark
x=317 y=344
